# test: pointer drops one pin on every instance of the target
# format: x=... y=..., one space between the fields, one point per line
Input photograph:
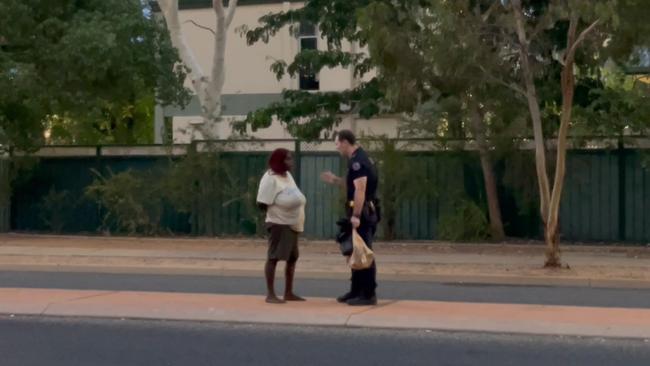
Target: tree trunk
x=551 y=205
x=567 y=85
x=207 y=89
x=568 y=90
x=551 y=236
x=552 y=241
x=535 y=113
x=494 y=208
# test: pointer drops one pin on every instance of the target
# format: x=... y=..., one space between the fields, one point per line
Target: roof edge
x=205 y=4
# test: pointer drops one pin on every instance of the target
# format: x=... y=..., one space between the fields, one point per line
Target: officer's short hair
x=346 y=135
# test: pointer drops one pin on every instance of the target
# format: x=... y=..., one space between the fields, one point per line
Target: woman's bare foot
x=293 y=297
x=272 y=299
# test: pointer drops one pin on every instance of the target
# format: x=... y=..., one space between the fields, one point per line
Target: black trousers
x=364 y=281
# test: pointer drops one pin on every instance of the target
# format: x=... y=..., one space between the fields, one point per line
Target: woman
x=284 y=204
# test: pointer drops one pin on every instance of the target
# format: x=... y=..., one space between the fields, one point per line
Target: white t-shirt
x=286 y=204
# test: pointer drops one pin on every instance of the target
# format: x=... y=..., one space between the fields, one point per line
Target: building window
x=308 y=41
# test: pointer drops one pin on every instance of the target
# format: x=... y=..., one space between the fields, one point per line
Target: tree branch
x=485 y=16
x=582 y=37
x=521 y=25
x=217 y=5
x=169 y=9
x=510 y=86
x=202 y=26
x=231 y=12
x=543 y=23
x=535 y=113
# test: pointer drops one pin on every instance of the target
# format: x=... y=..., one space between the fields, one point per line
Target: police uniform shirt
x=361 y=166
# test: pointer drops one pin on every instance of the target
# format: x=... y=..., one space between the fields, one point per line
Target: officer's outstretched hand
x=329 y=177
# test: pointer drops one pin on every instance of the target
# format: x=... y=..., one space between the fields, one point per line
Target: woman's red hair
x=277 y=161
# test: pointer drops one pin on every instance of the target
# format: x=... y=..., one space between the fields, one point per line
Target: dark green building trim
x=233 y=105
x=202 y=4
x=198 y=4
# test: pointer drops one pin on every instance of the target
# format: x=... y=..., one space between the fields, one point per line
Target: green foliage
x=130 y=124
x=203 y=184
x=424 y=52
x=465 y=222
x=202 y=176
x=335 y=19
x=402 y=178
x=310 y=61
x=307 y=114
x=94 y=65
x=133 y=201
x=435 y=59
x=56 y=208
x=432 y=57
x=21 y=110
x=253 y=222
x=620 y=104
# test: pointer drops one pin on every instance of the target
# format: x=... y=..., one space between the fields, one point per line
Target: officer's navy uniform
x=360 y=165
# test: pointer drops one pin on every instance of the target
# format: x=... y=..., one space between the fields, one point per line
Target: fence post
x=297 y=157
x=5 y=194
x=621 y=190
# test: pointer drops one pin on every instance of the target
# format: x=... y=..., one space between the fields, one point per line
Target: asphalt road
x=409 y=290
x=83 y=342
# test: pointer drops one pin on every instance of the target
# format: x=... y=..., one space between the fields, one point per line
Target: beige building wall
x=372 y=127
x=248 y=68
x=183 y=134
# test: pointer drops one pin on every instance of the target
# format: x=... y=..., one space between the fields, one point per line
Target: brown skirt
x=283 y=243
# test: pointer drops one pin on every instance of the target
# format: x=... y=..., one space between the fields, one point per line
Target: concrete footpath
x=453 y=316
x=519 y=264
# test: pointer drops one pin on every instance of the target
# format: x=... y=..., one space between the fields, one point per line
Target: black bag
x=371 y=212
x=344 y=237
x=377 y=205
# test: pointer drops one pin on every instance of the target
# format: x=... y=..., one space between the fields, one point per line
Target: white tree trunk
x=535 y=113
x=551 y=236
x=208 y=88
x=568 y=90
x=550 y=198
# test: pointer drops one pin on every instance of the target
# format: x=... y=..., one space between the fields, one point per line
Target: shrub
x=401 y=178
x=465 y=221
x=56 y=209
x=132 y=201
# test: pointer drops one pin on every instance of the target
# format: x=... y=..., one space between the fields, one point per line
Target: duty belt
x=370 y=204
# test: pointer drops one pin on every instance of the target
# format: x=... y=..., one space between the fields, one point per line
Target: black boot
x=345 y=297
x=363 y=301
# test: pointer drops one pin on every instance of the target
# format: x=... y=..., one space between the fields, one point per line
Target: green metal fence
x=606 y=196
x=591 y=197
x=324 y=201
x=5 y=195
x=634 y=206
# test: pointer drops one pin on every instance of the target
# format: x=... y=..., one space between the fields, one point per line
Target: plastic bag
x=362 y=256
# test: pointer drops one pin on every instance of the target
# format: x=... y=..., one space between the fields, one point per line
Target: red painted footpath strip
x=502 y=318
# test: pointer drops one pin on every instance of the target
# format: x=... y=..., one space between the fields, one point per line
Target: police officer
x=362 y=208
